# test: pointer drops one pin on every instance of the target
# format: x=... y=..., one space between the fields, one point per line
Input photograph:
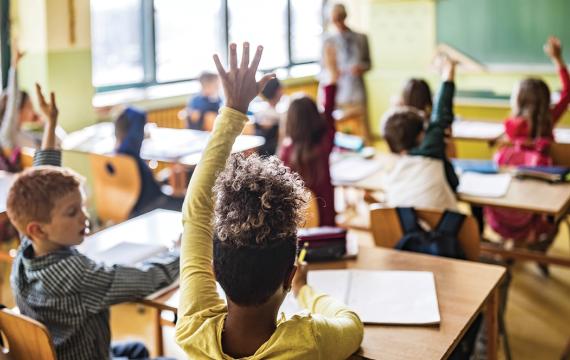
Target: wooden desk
x=159 y=226
x=182 y=146
x=525 y=195
x=463 y=288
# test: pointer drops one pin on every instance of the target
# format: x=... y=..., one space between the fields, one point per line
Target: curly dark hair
x=259 y=204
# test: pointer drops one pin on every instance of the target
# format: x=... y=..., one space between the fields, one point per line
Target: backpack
x=441 y=241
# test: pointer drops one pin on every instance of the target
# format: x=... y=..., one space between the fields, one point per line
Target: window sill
x=177 y=94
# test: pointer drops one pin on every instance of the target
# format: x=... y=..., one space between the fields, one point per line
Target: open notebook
x=380 y=297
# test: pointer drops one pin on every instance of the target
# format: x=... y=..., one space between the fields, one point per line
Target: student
x=129 y=135
x=422 y=176
x=528 y=133
x=245 y=215
x=308 y=143
x=417 y=94
x=55 y=284
x=15 y=108
x=205 y=104
x=268 y=120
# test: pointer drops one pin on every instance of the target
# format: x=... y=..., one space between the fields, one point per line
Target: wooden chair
x=386 y=229
x=560 y=154
x=312 y=214
x=25 y=337
x=27 y=157
x=116 y=184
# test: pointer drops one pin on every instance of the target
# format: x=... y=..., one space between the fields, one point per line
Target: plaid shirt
x=71 y=294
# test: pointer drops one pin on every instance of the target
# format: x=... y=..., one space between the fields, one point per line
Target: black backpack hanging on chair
x=441 y=241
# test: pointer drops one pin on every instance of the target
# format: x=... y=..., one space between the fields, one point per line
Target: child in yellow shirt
x=240 y=223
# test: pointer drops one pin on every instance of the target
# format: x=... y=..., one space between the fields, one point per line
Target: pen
x=303 y=253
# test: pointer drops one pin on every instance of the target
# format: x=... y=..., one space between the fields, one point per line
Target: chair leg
x=158 y=338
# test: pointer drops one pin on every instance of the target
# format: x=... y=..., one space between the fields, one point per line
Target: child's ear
x=35 y=230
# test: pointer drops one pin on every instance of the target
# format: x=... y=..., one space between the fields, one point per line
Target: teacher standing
x=353 y=60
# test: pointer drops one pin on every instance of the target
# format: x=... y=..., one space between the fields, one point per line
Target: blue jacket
x=131 y=145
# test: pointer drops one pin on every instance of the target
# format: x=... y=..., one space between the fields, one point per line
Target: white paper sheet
x=128 y=253
x=353 y=169
x=378 y=297
x=484 y=185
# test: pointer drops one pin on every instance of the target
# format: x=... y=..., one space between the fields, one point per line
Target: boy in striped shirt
x=52 y=282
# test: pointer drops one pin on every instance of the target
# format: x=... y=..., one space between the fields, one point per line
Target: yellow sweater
x=329 y=331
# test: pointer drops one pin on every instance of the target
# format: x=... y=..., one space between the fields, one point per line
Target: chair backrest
x=387 y=230
x=117 y=186
x=312 y=218
x=27 y=157
x=25 y=337
x=560 y=154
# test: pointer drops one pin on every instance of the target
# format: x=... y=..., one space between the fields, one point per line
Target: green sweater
x=433 y=144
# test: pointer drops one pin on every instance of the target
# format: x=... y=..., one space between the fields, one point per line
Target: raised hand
x=239 y=83
x=448 y=68
x=553 y=48
x=49 y=110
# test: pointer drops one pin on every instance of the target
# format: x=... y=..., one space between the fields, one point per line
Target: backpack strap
x=450 y=223
x=408 y=219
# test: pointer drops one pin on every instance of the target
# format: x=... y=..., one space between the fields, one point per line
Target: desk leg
x=492 y=321
x=159 y=344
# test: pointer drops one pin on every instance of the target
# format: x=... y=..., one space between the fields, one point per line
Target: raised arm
x=48 y=155
x=9 y=128
x=329 y=89
x=433 y=144
x=553 y=48
x=50 y=112
x=197 y=282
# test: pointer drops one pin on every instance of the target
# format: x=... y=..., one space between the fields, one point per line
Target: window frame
x=149 y=48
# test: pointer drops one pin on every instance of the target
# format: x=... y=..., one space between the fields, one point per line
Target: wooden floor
x=538 y=312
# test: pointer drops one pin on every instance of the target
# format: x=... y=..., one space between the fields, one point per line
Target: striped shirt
x=71 y=294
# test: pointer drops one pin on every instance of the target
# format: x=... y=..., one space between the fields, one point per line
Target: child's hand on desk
x=300 y=278
x=239 y=83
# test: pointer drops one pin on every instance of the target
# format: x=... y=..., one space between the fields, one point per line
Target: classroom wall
x=60 y=64
x=402 y=35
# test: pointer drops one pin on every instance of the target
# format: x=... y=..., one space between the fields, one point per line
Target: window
x=117 y=42
x=137 y=43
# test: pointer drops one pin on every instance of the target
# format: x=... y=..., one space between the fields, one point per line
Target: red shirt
x=322 y=186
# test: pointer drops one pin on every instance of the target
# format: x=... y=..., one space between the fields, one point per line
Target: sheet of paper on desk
x=484 y=185
x=353 y=169
x=379 y=297
x=6 y=180
x=128 y=253
x=477 y=129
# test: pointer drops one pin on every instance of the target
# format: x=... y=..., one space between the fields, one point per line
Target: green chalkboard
x=503 y=31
